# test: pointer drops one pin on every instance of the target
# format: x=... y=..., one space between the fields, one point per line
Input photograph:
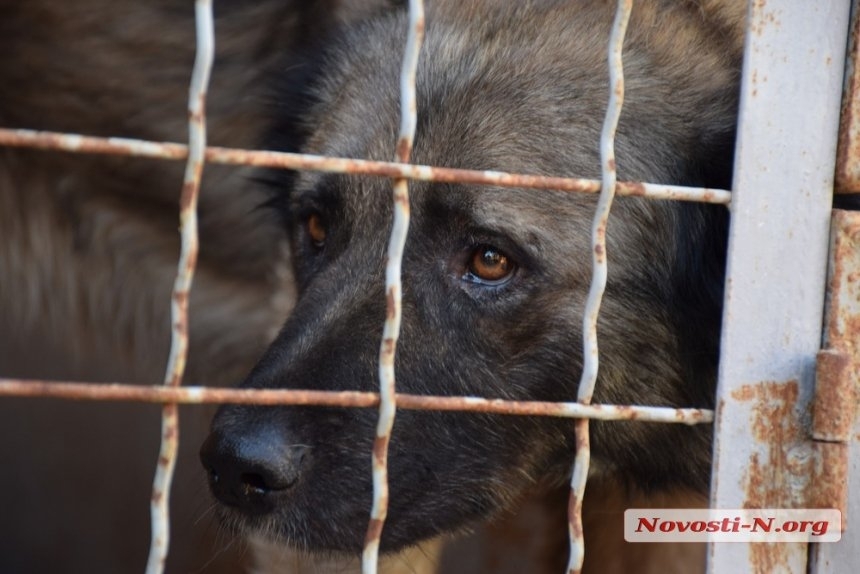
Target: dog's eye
x=489 y=266
x=316 y=229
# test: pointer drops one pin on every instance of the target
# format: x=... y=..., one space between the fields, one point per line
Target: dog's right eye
x=316 y=229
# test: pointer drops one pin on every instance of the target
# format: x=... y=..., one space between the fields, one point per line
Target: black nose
x=250 y=471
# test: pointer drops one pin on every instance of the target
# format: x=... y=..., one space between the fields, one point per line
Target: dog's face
x=494 y=283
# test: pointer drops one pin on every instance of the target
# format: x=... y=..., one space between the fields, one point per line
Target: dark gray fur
x=521 y=87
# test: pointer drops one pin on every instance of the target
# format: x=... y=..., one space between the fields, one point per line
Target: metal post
x=777 y=264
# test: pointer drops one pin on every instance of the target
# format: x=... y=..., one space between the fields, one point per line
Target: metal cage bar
x=77 y=391
x=777 y=265
x=837 y=452
x=77 y=143
x=169 y=448
x=393 y=290
x=590 y=350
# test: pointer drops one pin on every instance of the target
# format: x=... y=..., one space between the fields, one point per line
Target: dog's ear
x=288 y=129
x=696 y=291
x=321 y=23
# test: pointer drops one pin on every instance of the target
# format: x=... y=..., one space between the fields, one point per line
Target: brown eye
x=316 y=229
x=489 y=265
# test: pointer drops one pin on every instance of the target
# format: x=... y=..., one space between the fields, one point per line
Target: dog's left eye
x=489 y=266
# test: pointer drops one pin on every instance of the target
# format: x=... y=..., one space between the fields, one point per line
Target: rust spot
x=189 y=191
x=388 y=346
x=848 y=149
x=374 y=531
x=744 y=393
x=611 y=164
x=390 y=304
x=191 y=261
x=627 y=412
x=833 y=414
x=401 y=197
x=843 y=311
x=576 y=525
x=380 y=450
x=774 y=425
x=181 y=298
x=581 y=433
x=634 y=188
x=197 y=116
x=404 y=146
x=599 y=251
x=157 y=496
x=829 y=486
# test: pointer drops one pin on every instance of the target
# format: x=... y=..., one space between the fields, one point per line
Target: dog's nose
x=249 y=472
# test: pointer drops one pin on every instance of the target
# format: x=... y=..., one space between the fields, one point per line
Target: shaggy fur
x=88 y=251
x=517 y=86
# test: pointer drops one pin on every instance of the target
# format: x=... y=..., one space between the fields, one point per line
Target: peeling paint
x=778 y=480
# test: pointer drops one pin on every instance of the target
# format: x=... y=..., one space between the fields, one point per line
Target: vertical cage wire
x=590 y=352
x=393 y=290
x=182 y=286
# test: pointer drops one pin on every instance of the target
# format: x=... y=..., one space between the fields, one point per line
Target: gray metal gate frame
x=765 y=451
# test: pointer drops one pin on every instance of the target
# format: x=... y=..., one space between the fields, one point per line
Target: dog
x=494 y=279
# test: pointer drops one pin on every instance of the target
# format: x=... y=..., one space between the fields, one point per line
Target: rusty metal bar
x=837 y=430
x=848 y=151
x=777 y=262
x=590 y=352
x=76 y=143
x=160 y=509
x=348 y=399
x=393 y=290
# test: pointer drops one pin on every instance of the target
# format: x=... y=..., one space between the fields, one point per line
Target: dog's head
x=494 y=280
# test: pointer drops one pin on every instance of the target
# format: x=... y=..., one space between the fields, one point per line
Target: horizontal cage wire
x=193 y=395
x=77 y=143
x=171 y=394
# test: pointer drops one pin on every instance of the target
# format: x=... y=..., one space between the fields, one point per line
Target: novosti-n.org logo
x=732 y=525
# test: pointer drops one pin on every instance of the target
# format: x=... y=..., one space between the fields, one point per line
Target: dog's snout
x=249 y=472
